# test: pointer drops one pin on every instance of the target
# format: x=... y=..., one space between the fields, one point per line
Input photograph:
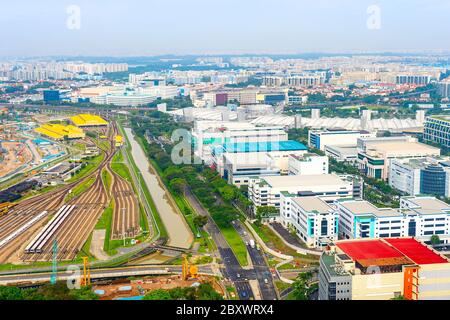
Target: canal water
x=179 y=233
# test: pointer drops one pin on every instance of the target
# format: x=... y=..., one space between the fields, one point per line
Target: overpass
x=17 y=277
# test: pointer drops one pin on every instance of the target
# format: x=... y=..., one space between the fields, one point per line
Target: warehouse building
x=276 y=152
x=88 y=120
x=60 y=132
x=383 y=269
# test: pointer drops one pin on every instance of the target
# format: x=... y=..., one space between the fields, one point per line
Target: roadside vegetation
x=219 y=198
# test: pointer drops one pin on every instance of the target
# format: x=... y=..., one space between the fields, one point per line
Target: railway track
x=51 y=201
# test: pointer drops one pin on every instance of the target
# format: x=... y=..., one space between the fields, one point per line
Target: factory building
x=420 y=217
x=320 y=138
x=208 y=134
x=421 y=176
x=308 y=163
x=375 y=154
x=266 y=191
x=314 y=220
x=437 y=130
x=383 y=269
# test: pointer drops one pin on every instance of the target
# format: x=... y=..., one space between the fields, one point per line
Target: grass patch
x=106 y=178
x=80 y=188
x=235 y=241
x=91 y=165
x=273 y=241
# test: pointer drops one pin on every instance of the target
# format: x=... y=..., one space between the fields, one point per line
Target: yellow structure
x=86 y=279
x=119 y=141
x=60 y=132
x=88 y=120
x=188 y=271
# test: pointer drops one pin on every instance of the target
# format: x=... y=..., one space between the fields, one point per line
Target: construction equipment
x=5 y=207
x=188 y=271
x=86 y=279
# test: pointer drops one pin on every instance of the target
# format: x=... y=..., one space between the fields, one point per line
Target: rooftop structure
x=88 y=120
x=420 y=217
x=60 y=132
x=262 y=146
x=381 y=269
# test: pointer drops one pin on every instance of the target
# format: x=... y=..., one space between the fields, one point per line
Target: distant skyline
x=183 y=27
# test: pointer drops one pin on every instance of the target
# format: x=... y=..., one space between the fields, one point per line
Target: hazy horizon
x=199 y=27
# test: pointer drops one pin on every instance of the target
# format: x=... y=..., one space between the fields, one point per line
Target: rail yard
x=29 y=228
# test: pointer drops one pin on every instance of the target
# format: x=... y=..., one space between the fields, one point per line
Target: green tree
x=227 y=192
x=435 y=239
x=159 y=294
x=10 y=293
x=301 y=288
x=200 y=221
x=178 y=184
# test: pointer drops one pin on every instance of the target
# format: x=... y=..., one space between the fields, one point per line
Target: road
x=262 y=271
x=232 y=269
x=101 y=273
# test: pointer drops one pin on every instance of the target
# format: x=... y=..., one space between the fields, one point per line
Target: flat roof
x=304 y=180
x=428 y=205
x=400 y=147
x=416 y=251
x=368 y=249
x=264 y=146
x=344 y=149
x=312 y=204
x=362 y=207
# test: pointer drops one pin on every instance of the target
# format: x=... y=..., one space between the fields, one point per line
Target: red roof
x=368 y=249
x=416 y=251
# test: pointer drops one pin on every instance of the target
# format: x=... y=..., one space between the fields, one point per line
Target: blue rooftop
x=262 y=146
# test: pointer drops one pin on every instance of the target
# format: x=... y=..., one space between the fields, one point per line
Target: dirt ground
x=142 y=286
x=12 y=162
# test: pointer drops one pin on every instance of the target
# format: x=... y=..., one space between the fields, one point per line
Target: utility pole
x=54 y=262
x=123 y=225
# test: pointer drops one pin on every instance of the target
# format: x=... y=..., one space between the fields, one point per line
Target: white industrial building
x=344 y=153
x=364 y=123
x=429 y=175
x=314 y=220
x=420 y=217
x=266 y=191
x=308 y=164
x=375 y=154
x=320 y=138
x=207 y=134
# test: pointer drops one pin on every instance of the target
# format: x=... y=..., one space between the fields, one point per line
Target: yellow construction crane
x=188 y=271
x=86 y=279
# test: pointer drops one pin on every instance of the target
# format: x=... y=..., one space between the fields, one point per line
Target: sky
x=155 y=27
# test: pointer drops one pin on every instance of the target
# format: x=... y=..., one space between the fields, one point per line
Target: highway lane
x=232 y=269
x=261 y=269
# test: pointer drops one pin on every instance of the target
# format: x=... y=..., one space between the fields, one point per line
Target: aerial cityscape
x=145 y=171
